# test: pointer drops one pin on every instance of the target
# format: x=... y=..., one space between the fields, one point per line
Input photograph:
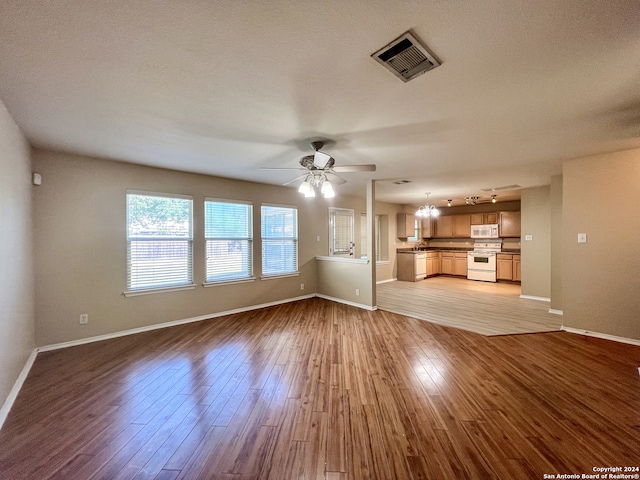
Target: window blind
x=279 y=240
x=228 y=240
x=159 y=241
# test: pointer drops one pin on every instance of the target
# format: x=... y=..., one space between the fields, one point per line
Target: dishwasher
x=421 y=265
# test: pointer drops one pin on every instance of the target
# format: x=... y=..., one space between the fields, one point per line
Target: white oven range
x=481 y=262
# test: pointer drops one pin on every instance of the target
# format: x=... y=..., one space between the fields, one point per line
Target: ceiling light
x=449 y=203
x=427 y=210
x=493 y=198
x=471 y=200
x=307 y=188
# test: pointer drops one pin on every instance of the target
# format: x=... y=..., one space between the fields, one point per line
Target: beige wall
x=556 y=243
x=601 y=278
x=536 y=254
x=81 y=252
x=16 y=254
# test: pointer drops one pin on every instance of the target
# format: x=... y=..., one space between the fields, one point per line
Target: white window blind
x=229 y=240
x=159 y=241
x=279 y=240
x=341 y=231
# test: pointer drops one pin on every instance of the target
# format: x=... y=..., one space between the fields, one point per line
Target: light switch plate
x=528 y=237
x=582 y=238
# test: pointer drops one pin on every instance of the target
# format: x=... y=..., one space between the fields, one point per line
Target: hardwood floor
x=316 y=389
x=481 y=307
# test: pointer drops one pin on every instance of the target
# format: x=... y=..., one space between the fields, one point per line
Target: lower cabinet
x=433 y=263
x=508 y=267
x=454 y=263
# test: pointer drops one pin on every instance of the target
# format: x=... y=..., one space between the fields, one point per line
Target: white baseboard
x=13 y=394
x=531 y=297
x=604 y=336
x=346 y=302
x=555 y=312
x=172 y=323
x=386 y=281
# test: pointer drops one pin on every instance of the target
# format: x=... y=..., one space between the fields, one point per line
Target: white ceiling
x=225 y=87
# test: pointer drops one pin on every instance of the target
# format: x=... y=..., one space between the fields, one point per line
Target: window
x=341 y=232
x=417 y=224
x=159 y=241
x=363 y=235
x=279 y=240
x=229 y=240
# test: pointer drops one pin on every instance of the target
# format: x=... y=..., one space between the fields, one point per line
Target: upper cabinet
x=461 y=225
x=428 y=227
x=406 y=225
x=509 y=224
x=444 y=226
x=490 y=218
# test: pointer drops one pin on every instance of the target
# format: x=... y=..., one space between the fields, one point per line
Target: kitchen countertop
x=508 y=251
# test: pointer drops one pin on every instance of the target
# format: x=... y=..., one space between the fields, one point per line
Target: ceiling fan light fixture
x=306 y=189
x=320 y=159
x=327 y=189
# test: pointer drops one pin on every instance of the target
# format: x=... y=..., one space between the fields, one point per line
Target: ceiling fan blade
x=335 y=179
x=355 y=168
x=320 y=159
x=282 y=168
x=300 y=177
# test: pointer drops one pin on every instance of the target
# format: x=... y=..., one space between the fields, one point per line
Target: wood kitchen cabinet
x=504 y=266
x=460 y=264
x=453 y=263
x=490 y=218
x=509 y=224
x=406 y=225
x=461 y=225
x=408 y=267
x=444 y=226
x=428 y=227
x=433 y=263
x=517 y=269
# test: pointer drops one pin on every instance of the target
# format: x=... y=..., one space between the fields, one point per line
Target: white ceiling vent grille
x=406 y=58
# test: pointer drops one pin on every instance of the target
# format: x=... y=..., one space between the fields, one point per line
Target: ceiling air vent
x=406 y=58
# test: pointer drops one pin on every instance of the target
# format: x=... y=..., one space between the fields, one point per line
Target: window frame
x=249 y=277
x=273 y=239
x=344 y=212
x=188 y=283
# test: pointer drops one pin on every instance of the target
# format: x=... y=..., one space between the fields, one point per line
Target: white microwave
x=484 y=231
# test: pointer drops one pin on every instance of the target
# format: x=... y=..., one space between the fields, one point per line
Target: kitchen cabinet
x=504 y=266
x=509 y=224
x=406 y=225
x=453 y=263
x=433 y=263
x=460 y=264
x=508 y=267
x=490 y=218
x=444 y=226
x=428 y=227
x=461 y=225
x=517 y=269
x=412 y=266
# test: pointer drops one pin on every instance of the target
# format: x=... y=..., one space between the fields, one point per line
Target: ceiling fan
x=321 y=172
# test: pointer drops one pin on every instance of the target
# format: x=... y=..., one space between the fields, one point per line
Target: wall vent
x=406 y=58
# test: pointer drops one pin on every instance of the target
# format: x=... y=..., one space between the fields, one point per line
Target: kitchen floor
x=481 y=307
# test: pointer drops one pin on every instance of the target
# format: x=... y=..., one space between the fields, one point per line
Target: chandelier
x=307 y=188
x=427 y=210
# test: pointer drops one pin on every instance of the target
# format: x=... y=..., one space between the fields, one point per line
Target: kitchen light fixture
x=493 y=198
x=471 y=200
x=449 y=203
x=316 y=180
x=427 y=210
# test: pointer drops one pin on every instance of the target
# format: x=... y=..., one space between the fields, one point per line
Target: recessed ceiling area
x=225 y=88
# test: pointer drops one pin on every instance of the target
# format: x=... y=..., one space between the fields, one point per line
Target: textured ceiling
x=227 y=87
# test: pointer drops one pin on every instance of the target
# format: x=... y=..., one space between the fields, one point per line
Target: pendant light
x=427 y=210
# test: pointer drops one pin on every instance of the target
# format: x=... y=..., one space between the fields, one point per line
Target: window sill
x=152 y=291
x=229 y=282
x=342 y=259
x=283 y=275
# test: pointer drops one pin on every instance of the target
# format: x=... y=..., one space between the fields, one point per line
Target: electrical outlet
x=528 y=237
x=582 y=238
x=302 y=286
x=357 y=292
x=84 y=318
